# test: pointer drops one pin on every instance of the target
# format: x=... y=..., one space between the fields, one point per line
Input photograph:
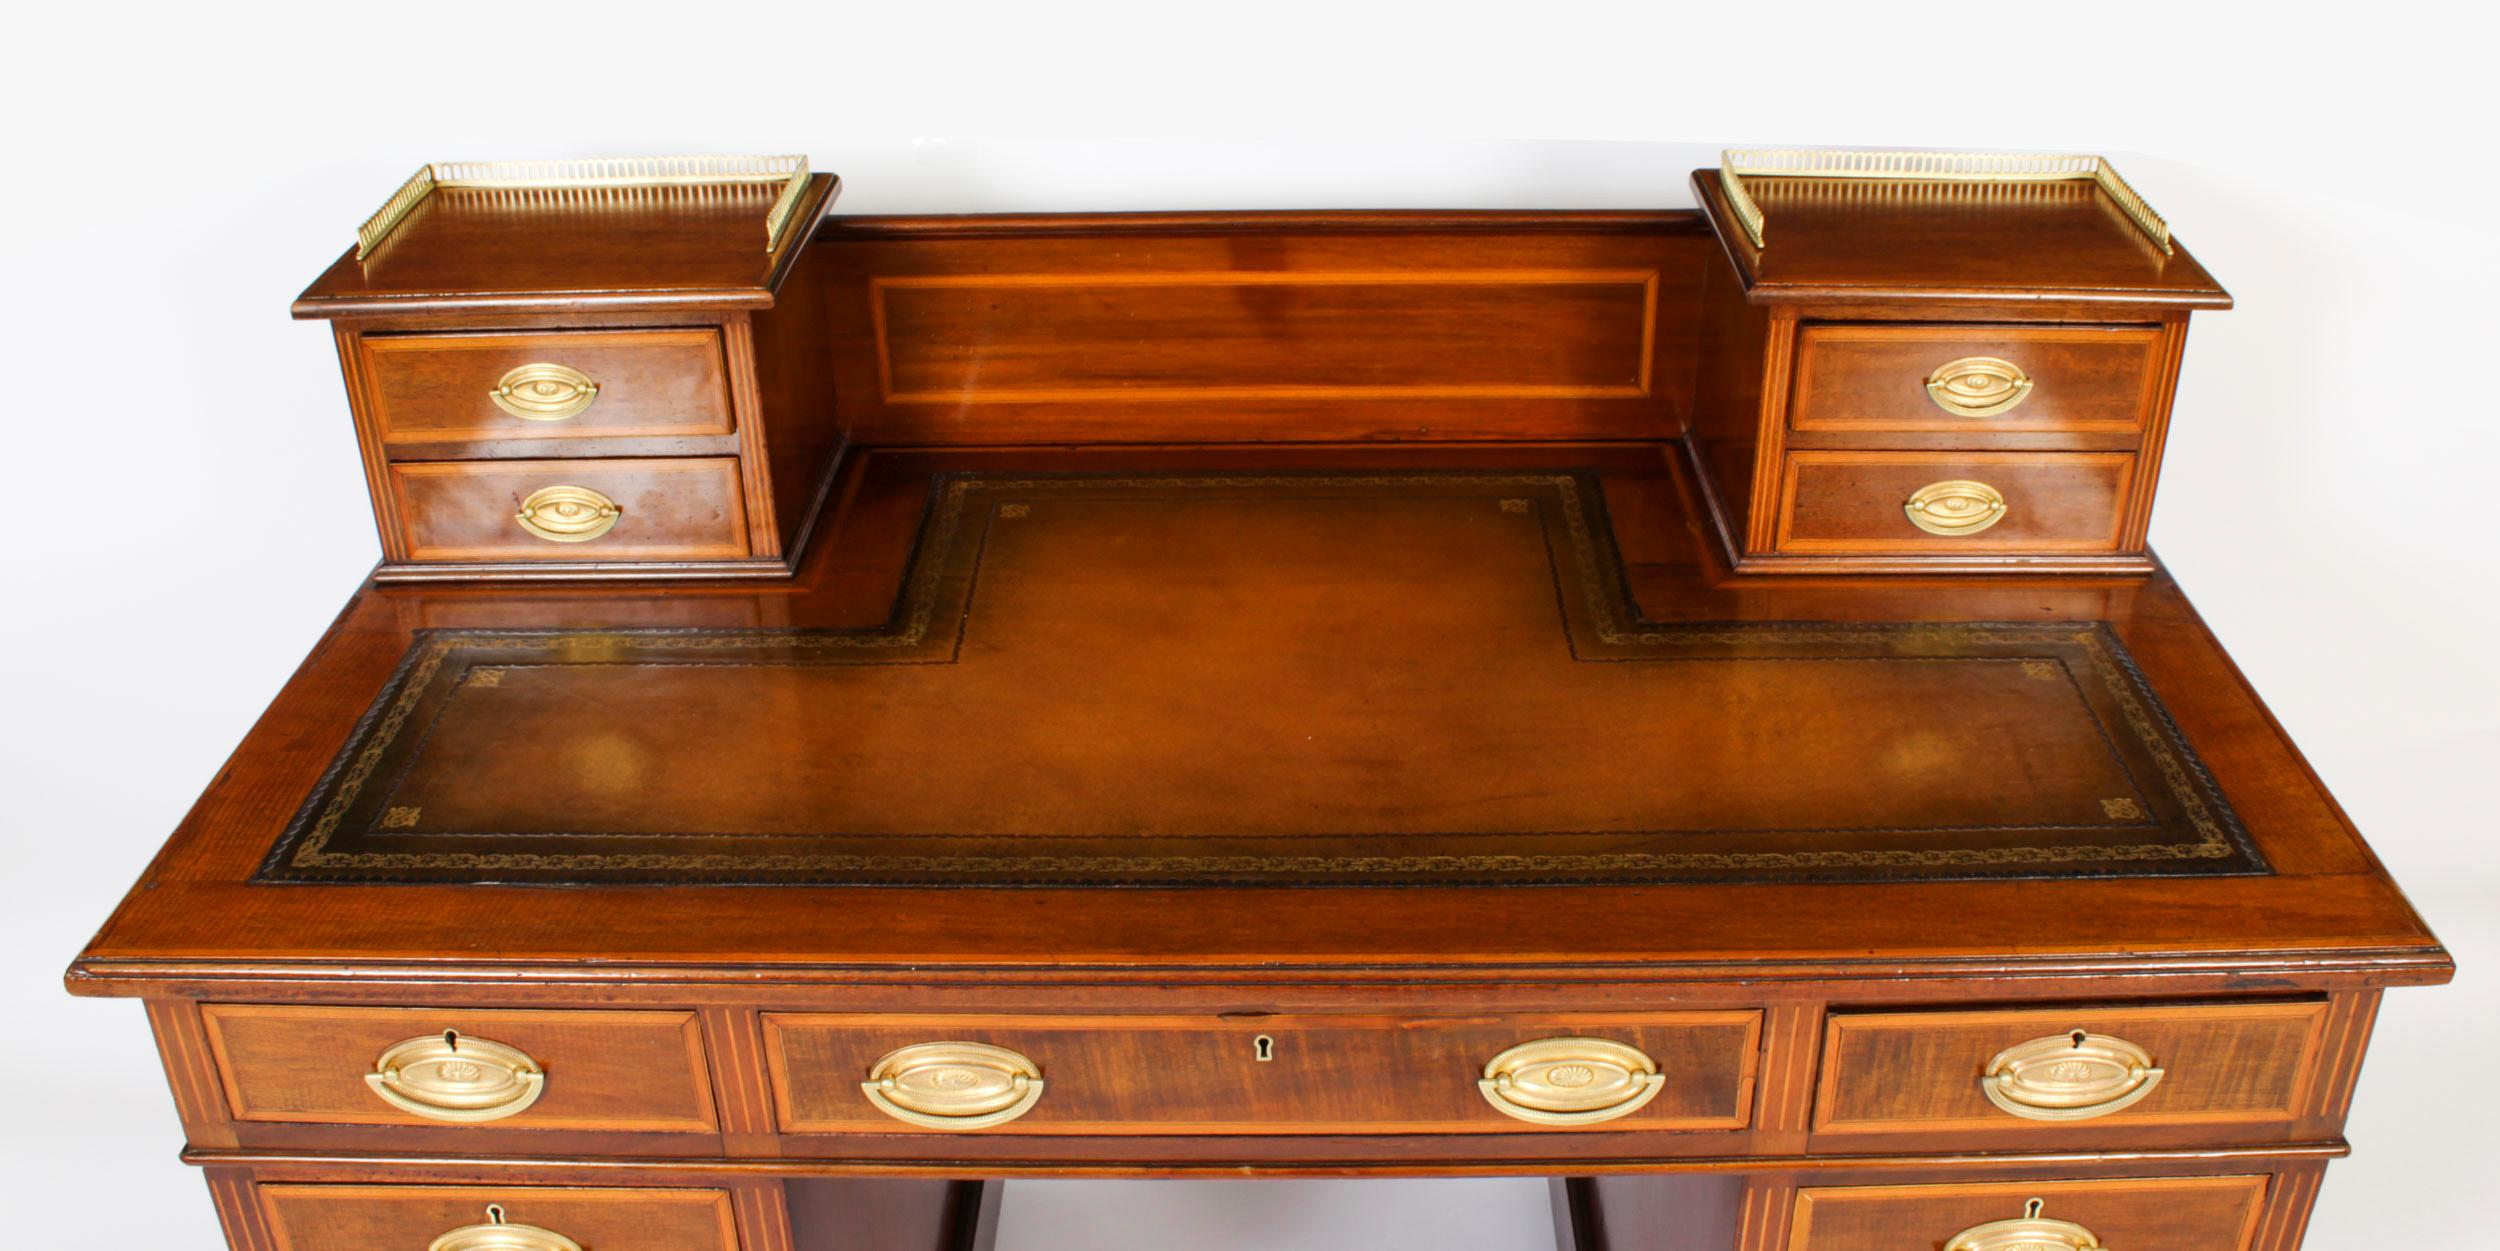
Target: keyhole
x=494 y=1214
x=2031 y=1210
x=2078 y=1037
x=1265 y=1048
x=451 y=1039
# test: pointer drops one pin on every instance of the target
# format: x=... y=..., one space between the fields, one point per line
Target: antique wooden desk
x=856 y=708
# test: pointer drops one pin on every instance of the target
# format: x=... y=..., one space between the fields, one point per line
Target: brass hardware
x=1263 y=1048
x=498 y=1234
x=1978 y=386
x=452 y=1077
x=1956 y=508
x=2028 y=1232
x=1971 y=167
x=954 y=1085
x=1570 y=1081
x=568 y=514
x=2073 y=1076
x=593 y=176
x=543 y=392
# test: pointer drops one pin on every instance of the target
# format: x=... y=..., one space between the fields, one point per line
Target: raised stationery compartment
x=1935 y=362
x=643 y=317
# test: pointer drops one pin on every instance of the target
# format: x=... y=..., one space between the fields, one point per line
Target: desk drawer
x=579 y=510
x=371 y=1218
x=2125 y=1214
x=1970 y=502
x=641 y=1071
x=1316 y=1075
x=1870 y=379
x=2221 y=1065
x=464 y=388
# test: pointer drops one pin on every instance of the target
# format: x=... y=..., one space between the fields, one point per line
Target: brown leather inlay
x=1201 y=678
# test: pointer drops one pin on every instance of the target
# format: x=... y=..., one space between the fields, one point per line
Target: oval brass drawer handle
x=498 y=1234
x=568 y=514
x=544 y=392
x=1978 y=386
x=2028 y=1232
x=1956 y=508
x=1570 y=1081
x=954 y=1085
x=452 y=1077
x=2073 y=1076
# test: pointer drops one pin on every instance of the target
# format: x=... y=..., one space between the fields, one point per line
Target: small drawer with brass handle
x=570 y=510
x=1940 y=503
x=843 y=1073
x=1854 y=380
x=444 y=1077
x=363 y=1217
x=2091 y=1214
x=2069 y=1077
x=450 y=395
x=540 y=391
x=468 y=1071
x=953 y=1085
x=568 y=514
x=1570 y=1081
x=2055 y=1073
x=1955 y=508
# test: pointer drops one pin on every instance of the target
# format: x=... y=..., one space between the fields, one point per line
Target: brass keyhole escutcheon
x=2031 y=1231
x=1263 y=1047
x=498 y=1234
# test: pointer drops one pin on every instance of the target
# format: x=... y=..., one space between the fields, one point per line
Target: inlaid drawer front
x=457 y=388
x=2047 y=1071
x=2116 y=1214
x=1943 y=503
x=2069 y=379
x=1314 y=1074
x=641 y=1071
x=497 y=1218
x=571 y=510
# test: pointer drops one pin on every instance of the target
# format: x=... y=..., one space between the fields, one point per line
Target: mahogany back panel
x=1254 y=327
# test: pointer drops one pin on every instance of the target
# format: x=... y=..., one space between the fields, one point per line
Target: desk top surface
x=1219 y=709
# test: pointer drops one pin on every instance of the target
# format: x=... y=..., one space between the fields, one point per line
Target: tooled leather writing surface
x=1359 y=678
x=201 y=908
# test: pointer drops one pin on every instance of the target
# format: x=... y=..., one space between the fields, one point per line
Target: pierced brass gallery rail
x=1738 y=164
x=609 y=173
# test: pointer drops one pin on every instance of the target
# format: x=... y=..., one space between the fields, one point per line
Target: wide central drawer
x=836 y=1073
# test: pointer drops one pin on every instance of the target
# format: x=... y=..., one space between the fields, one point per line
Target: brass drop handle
x=1570 y=1081
x=954 y=1085
x=2028 y=1232
x=544 y=392
x=498 y=1234
x=1978 y=386
x=1955 y=509
x=568 y=514
x=453 y=1077
x=2073 y=1076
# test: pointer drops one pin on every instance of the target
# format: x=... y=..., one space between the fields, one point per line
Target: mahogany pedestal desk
x=855 y=709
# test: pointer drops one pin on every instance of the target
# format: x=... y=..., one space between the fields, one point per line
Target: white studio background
x=183 y=512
